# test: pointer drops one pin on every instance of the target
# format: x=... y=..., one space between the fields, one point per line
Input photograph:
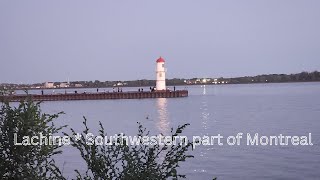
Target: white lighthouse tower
x=161 y=75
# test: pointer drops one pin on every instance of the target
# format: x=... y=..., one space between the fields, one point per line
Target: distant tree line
x=277 y=78
x=265 y=78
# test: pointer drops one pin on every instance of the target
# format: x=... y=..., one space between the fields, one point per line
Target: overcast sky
x=121 y=40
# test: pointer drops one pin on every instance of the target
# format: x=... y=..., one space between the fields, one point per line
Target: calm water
x=267 y=109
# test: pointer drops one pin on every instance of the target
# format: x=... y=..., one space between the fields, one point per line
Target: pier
x=96 y=96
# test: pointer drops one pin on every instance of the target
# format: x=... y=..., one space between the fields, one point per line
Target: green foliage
x=5 y=91
x=120 y=160
x=27 y=162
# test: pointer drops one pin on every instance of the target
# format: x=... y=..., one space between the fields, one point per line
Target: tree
x=120 y=160
x=27 y=162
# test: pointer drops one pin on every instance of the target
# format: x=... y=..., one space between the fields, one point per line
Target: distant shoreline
x=259 y=79
x=167 y=85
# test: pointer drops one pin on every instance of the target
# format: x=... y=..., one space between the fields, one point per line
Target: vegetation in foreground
x=103 y=162
x=27 y=162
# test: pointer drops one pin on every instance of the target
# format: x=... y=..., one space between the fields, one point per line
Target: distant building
x=78 y=85
x=205 y=80
x=118 y=84
x=64 y=85
x=49 y=85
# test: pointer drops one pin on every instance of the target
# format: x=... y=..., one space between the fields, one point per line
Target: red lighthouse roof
x=160 y=60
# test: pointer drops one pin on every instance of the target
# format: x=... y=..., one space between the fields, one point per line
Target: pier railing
x=97 y=96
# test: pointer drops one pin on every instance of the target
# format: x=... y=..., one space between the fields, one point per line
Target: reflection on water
x=205 y=115
x=204 y=110
x=204 y=90
x=205 y=118
x=163 y=123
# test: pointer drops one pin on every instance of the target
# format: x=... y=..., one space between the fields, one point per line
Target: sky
x=43 y=40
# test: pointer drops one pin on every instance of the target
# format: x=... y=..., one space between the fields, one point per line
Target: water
x=267 y=109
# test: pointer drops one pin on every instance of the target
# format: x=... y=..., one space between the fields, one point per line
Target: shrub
x=119 y=160
x=27 y=162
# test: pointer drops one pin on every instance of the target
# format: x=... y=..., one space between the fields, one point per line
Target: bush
x=119 y=160
x=27 y=162
x=115 y=161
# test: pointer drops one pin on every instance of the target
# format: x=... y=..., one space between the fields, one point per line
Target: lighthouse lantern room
x=161 y=75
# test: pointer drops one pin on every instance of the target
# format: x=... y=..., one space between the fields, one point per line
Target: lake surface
x=267 y=109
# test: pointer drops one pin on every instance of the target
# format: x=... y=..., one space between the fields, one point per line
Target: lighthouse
x=161 y=75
